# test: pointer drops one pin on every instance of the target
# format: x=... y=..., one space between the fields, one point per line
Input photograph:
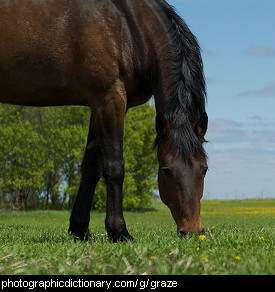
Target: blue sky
x=237 y=38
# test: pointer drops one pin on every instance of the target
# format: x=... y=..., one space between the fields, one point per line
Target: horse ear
x=200 y=126
x=161 y=124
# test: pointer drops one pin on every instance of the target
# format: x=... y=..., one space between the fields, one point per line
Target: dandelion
x=65 y=230
x=261 y=238
x=202 y=237
x=237 y=258
x=213 y=227
x=204 y=259
x=152 y=257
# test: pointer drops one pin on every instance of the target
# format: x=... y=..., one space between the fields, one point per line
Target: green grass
x=239 y=239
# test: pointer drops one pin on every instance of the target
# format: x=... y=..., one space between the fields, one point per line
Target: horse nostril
x=202 y=232
x=182 y=233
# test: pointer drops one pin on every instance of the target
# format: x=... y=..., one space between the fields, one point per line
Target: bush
x=41 y=151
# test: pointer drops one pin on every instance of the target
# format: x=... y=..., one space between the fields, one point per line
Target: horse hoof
x=120 y=236
x=83 y=235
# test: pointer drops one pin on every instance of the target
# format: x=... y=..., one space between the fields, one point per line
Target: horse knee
x=113 y=172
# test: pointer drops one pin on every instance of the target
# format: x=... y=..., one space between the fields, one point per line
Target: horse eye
x=205 y=171
x=166 y=171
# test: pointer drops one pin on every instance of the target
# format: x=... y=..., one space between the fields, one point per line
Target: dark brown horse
x=111 y=55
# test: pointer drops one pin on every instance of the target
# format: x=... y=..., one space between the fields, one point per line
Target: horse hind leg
x=90 y=175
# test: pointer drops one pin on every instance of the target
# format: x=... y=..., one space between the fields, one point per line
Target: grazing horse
x=111 y=55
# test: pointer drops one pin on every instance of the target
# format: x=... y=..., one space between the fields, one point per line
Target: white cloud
x=241 y=158
x=257 y=132
x=261 y=51
x=268 y=90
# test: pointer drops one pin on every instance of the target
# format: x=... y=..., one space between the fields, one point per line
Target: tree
x=41 y=150
x=64 y=130
x=40 y=153
x=21 y=158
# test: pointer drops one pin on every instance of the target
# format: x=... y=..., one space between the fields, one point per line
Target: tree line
x=41 y=150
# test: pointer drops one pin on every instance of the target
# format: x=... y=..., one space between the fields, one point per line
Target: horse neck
x=179 y=79
x=162 y=87
x=164 y=74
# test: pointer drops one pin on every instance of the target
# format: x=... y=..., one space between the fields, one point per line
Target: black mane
x=188 y=91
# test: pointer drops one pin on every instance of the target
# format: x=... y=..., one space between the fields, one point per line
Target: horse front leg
x=90 y=174
x=110 y=124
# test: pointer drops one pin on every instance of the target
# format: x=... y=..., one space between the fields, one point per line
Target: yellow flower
x=237 y=258
x=65 y=230
x=152 y=257
x=261 y=238
x=204 y=259
x=213 y=227
x=202 y=237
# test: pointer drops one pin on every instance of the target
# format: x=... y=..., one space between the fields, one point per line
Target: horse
x=111 y=55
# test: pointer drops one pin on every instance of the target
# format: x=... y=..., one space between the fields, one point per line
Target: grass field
x=239 y=239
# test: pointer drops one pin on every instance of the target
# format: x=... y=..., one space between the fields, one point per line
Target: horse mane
x=188 y=90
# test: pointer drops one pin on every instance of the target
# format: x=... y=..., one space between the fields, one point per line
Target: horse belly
x=36 y=82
